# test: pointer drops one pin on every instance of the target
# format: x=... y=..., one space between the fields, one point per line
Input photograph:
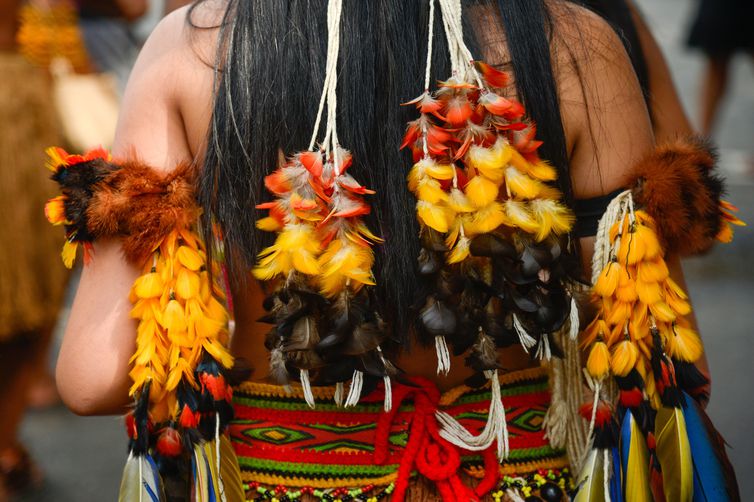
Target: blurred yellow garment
x=50 y=33
x=86 y=102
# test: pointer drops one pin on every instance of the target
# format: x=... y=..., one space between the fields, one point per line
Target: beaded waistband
x=279 y=440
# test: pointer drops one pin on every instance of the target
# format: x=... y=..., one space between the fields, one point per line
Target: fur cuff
x=129 y=200
x=678 y=186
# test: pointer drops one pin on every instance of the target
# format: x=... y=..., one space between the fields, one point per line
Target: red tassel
x=169 y=443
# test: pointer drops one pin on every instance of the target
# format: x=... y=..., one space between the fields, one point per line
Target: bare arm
x=605 y=117
x=92 y=369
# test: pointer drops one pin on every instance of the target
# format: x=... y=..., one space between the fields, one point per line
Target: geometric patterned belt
x=284 y=446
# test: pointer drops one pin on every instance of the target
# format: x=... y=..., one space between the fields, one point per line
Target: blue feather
x=709 y=478
x=616 y=481
x=625 y=440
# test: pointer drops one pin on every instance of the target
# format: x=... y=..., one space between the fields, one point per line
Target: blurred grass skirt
x=32 y=279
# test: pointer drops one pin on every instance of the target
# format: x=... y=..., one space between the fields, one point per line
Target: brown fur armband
x=125 y=199
x=678 y=186
x=142 y=206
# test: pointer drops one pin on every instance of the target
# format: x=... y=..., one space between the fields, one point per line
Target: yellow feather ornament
x=551 y=216
x=491 y=161
x=623 y=358
x=437 y=170
x=684 y=344
x=486 y=219
x=268 y=224
x=460 y=251
x=653 y=270
x=648 y=292
x=429 y=190
x=542 y=171
x=148 y=285
x=518 y=214
x=662 y=312
x=481 y=191
x=432 y=215
x=598 y=363
x=458 y=202
x=607 y=282
x=521 y=185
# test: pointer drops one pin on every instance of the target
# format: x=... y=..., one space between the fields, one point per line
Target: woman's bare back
x=165 y=118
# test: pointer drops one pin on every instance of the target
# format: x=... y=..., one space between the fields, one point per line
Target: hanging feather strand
x=182 y=399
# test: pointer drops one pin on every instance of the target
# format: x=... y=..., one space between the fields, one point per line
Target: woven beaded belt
x=286 y=449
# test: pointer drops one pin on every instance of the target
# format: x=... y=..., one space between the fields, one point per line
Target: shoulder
x=186 y=36
x=168 y=99
x=602 y=106
x=583 y=40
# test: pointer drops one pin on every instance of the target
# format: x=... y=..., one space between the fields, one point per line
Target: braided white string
x=495 y=430
x=615 y=212
x=460 y=55
x=430 y=39
x=221 y=486
x=334 y=10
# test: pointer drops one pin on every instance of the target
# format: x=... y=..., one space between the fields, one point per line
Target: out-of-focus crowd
x=63 y=66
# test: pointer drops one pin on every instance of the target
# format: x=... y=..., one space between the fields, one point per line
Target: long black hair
x=270 y=70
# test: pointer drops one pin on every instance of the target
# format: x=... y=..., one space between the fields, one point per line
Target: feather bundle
x=636 y=297
x=325 y=320
x=490 y=226
x=640 y=338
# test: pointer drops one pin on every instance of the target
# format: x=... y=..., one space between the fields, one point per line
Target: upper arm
x=93 y=365
x=604 y=114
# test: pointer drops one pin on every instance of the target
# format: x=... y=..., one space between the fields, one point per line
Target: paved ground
x=82 y=457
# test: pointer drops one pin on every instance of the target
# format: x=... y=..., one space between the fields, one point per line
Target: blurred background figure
x=720 y=29
x=31 y=291
x=115 y=30
x=109 y=36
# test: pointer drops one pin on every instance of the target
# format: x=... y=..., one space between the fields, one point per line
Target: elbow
x=90 y=395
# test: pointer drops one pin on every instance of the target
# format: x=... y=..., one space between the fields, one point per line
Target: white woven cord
x=496 y=428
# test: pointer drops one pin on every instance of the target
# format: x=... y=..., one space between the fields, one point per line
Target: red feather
x=492 y=75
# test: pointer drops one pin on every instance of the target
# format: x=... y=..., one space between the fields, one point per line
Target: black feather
x=437 y=318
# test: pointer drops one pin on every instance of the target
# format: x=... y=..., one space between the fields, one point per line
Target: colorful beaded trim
x=540 y=485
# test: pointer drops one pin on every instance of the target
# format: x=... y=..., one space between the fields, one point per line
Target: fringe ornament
x=443 y=355
x=354 y=392
x=339 y=393
x=496 y=428
x=307 y=388
x=527 y=341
